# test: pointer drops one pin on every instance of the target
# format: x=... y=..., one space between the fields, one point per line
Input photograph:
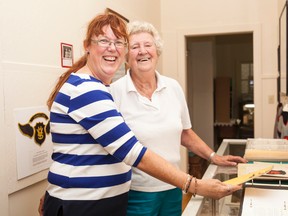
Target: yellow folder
x=248 y=177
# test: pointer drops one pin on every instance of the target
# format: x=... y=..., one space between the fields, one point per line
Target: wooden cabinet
x=197 y=166
x=222 y=99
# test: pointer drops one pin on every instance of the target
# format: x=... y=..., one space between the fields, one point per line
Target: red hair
x=95 y=27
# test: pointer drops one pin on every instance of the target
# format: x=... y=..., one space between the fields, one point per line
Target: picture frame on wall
x=66 y=55
x=124 y=67
x=108 y=10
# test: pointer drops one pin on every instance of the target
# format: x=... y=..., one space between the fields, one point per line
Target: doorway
x=182 y=69
x=220 y=86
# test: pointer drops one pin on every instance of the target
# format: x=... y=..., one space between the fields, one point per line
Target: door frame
x=255 y=29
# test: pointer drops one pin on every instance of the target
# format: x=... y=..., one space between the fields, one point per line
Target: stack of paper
x=266 y=150
x=264 y=201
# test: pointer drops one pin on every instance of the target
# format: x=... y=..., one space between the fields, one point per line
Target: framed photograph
x=108 y=10
x=124 y=67
x=66 y=55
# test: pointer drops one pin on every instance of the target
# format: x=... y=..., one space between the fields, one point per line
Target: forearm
x=194 y=143
x=159 y=168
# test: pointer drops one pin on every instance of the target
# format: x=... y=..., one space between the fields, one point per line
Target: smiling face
x=105 y=61
x=142 y=54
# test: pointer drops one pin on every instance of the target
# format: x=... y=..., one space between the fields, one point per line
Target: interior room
x=224 y=54
x=232 y=87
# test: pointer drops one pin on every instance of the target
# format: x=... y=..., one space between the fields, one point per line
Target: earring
x=87 y=52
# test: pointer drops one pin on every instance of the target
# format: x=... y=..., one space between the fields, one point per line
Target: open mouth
x=110 y=58
x=143 y=59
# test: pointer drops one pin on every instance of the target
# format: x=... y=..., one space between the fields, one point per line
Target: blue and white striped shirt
x=93 y=148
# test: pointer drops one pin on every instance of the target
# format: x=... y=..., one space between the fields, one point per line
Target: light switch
x=271 y=99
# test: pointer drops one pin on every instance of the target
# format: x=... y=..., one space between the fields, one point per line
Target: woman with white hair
x=155 y=109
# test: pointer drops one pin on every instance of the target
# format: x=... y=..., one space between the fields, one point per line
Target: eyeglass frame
x=109 y=42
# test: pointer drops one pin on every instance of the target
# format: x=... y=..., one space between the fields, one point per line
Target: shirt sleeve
x=95 y=110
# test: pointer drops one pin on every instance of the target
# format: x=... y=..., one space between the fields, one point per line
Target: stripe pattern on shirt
x=93 y=148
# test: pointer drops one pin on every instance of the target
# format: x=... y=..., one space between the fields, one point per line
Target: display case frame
x=229 y=205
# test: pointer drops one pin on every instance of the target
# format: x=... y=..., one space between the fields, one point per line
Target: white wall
x=201 y=96
x=30 y=37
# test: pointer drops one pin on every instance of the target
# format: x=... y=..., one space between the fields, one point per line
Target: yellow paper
x=249 y=176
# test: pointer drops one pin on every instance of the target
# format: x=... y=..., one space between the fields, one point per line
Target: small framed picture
x=124 y=67
x=110 y=11
x=66 y=55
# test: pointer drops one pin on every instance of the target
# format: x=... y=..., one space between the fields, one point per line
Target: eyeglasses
x=106 y=43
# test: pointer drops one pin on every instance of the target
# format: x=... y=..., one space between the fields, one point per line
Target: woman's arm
x=159 y=168
x=194 y=143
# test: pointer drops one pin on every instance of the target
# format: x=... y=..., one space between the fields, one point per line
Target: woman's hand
x=227 y=160
x=212 y=188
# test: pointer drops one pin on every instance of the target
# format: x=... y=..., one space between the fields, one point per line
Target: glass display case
x=227 y=206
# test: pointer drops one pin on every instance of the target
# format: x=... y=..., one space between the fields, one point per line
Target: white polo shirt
x=157 y=124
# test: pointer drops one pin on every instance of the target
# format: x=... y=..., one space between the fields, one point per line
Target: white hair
x=142 y=26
